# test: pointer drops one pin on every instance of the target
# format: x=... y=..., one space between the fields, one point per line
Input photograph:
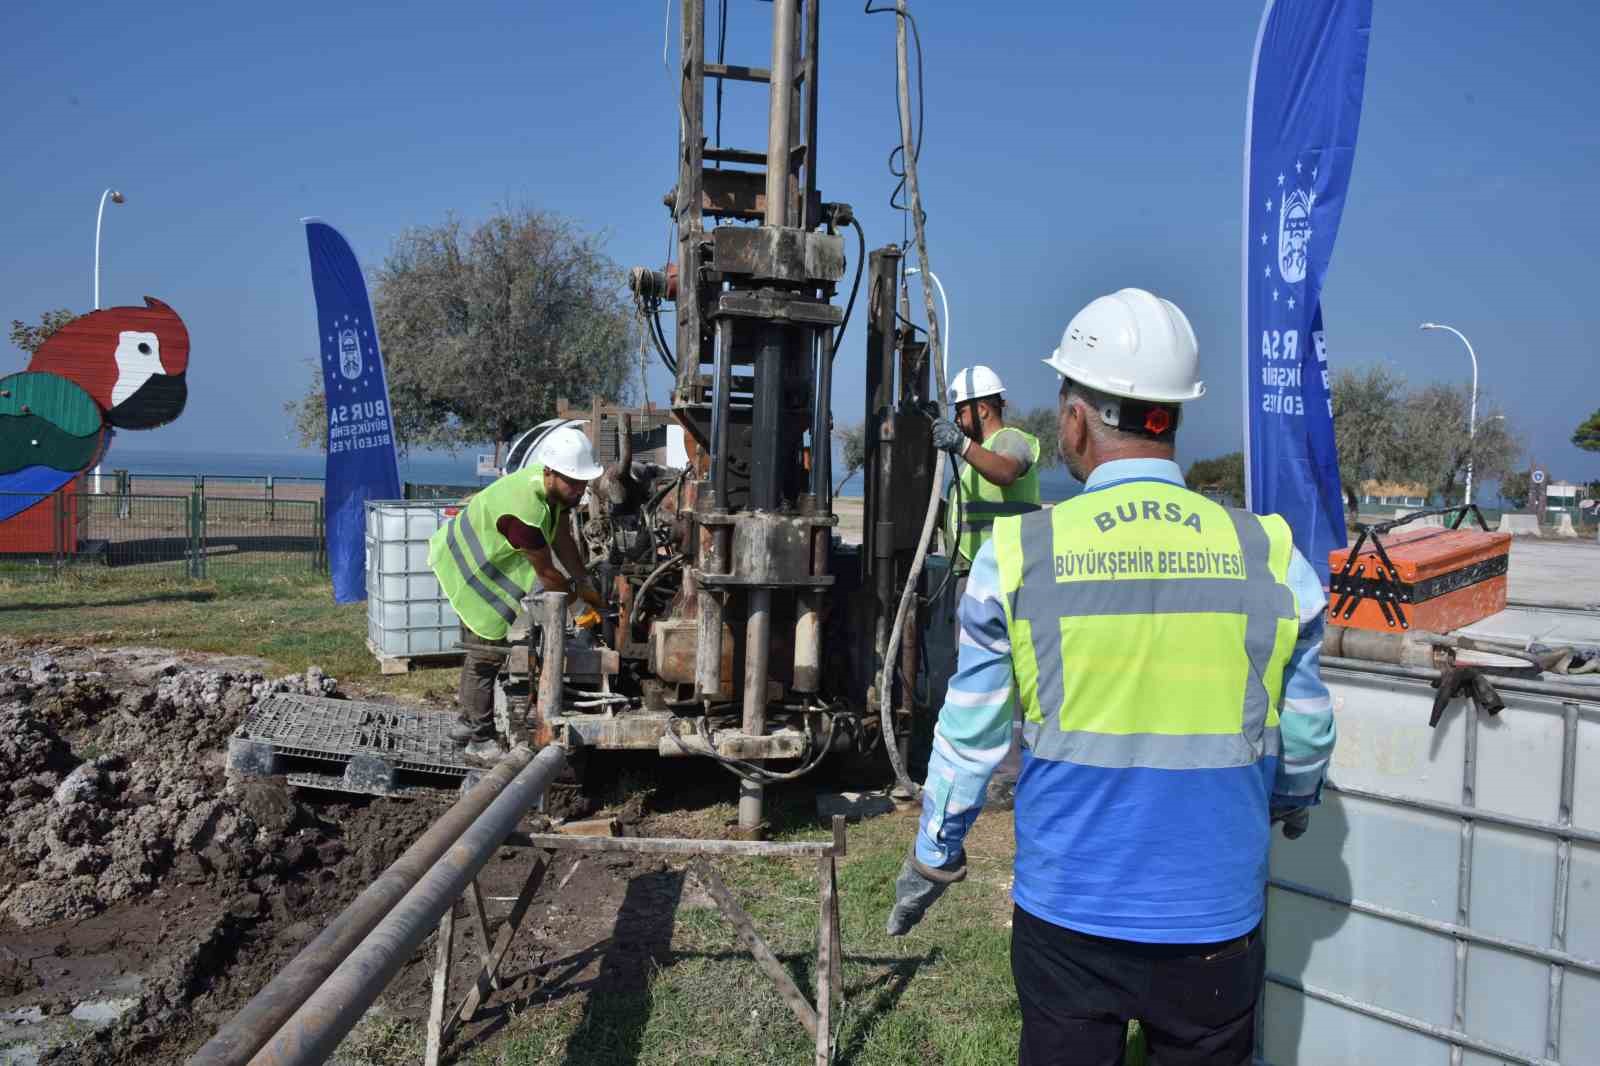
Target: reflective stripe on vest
x=486 y=568
x=982 y=501
x=1149 y=627
x=482 y=574
x=507 y=613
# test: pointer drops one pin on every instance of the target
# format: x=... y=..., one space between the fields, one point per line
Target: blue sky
x=1070 y=150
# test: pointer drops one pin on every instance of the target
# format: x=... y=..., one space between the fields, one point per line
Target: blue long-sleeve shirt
x=1063 y=804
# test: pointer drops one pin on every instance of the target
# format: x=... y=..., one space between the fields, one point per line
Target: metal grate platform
x=366 y=746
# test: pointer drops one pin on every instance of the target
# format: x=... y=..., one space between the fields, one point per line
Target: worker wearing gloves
x=489 y=556
x=998 y=475
x=998 y=472
x=1165 y=652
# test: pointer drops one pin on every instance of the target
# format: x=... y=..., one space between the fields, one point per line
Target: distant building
x=1565 y=497
x=1393 y=494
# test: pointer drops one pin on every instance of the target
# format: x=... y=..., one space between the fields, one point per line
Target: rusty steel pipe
x=553 y=652
x=333 y=1009
x=247 y=1031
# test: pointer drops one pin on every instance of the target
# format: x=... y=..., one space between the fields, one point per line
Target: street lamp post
x=117 y=198
x=1472 y=409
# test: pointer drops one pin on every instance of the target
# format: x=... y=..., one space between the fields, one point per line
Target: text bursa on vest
x=1148 y=511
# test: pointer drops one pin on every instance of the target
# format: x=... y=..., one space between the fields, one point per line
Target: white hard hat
x=1132 y=344
x=566 y=450
x=523 y=445
x=974 y=383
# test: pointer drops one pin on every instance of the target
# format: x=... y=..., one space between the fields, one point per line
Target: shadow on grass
x=617 y=1002
x=175 y=596
x=885 y=989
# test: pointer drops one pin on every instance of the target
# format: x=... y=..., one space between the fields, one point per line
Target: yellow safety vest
x=967 y=527
x=1149 y=627
x=481 y=573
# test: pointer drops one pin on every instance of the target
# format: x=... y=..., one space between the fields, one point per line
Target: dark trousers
x=1195 y=1002
x=476 y=694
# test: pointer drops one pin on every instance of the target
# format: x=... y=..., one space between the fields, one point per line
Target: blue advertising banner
x=361 y=456
x=1304 y=110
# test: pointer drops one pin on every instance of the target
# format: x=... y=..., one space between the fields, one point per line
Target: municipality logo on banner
x=362 y=464
x=1294 y=233
x=1300 y=135
x=349 y=353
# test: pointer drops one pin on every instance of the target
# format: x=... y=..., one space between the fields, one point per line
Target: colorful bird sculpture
x=121 y=368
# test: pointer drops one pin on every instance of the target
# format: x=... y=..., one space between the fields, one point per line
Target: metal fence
x=195 y=535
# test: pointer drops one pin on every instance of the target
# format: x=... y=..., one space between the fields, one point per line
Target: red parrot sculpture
x=121 y=367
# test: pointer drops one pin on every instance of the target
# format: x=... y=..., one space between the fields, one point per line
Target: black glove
x=918 y=886
x=1295 y=821
x=947 y=436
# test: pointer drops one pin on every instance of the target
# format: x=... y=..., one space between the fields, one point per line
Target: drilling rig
x=743 y=631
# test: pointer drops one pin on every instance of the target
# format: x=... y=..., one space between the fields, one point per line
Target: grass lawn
x=289 y=620
x=941 y=995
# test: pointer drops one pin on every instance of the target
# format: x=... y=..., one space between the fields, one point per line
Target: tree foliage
x=1367 y=403
x=31 y=336
x=484 y=329
x=1587 y=435
x=1042 y=422
x=1436 y=443
x=853 y=448
x=1516 y=487
x=1387 y=431
x=1223 y=474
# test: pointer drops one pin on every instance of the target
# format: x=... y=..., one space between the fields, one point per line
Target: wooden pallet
x=400 y=664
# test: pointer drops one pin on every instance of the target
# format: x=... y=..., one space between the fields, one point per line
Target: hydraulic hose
x=909 y=594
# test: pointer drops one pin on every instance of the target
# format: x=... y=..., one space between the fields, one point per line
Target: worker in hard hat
x=1165 y=651
x=997 y=474
x=998 y=464
x=506 y=538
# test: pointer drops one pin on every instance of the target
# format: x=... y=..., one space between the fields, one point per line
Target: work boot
x=463 y=733
x=484 y=752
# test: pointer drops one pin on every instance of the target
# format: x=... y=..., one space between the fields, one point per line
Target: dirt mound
x=134 y=796
x=132 y=865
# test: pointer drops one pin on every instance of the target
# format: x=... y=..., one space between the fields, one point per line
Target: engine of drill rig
x=635 y=681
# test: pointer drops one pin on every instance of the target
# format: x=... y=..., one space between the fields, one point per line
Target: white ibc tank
x=407 y=612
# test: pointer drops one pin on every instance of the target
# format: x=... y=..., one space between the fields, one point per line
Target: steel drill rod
x=757 y=645
x=323 y=1020
x=247 y=1031
x=781 y=103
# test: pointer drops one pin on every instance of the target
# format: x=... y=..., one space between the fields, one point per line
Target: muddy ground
x=145 y=895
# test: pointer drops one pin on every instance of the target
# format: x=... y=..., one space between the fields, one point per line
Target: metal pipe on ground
x=247 y=1031
x=323 y=1020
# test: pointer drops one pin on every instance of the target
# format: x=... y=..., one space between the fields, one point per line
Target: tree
x=1367 y=404
x=1222 y=474
x=1587 y=435
x=1515 y=488
x=1433 y=434
x=1044 y=423
x=853 y=443
x=483 y=330
x=31 y=337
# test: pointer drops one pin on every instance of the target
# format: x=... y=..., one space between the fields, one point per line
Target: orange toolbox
x=1428 y=578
